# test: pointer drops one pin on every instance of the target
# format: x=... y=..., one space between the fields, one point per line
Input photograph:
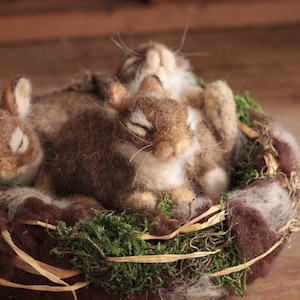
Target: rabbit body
x=50 y=112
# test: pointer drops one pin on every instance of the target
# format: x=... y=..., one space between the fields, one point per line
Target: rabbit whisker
x=183 y=38
x=213 y=162
x=121 y=45
x=139 y=151
x=213 y=146
x=189 y=54
x=139 y=169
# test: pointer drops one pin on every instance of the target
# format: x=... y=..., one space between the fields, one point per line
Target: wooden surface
x=41 y=20
x=263 y=58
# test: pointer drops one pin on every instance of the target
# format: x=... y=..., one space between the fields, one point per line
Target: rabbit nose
x=168 y=150
x=164 y=150
x=181 y=146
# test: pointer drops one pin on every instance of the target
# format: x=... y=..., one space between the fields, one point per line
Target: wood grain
x=138 y=18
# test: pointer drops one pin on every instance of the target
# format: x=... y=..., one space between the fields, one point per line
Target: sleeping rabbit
x=212 y=110
x=20 y=150
x=134 y=149
x=129 y=152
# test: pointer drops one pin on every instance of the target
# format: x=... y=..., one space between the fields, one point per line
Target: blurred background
x=253 y=44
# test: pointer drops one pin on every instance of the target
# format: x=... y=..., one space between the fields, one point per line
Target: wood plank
x=19 y=7
x=139 y=19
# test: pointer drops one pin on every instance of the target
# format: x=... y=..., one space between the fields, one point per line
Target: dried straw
x=35 y=265
x=40 y=223
x=61 y=273
x=44 y=288
x=249 y=132
x=163 y=258
x=191 y=226
x=248 y=263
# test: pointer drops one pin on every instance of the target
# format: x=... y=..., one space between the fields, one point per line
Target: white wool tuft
x=203 y=289
x=194 y=117
x=158 y=174
x=177 y=82
x=18 y=141
x=271 y=200
x=15 y=197
x=215 y=181
x=286 y=137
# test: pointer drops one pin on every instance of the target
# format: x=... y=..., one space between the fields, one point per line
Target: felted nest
x=79 y=252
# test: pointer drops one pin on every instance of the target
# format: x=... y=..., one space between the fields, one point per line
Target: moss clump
x=244 y=172
x=243 y=104
x=116 y=235
x=109 y=234
x=165 y=206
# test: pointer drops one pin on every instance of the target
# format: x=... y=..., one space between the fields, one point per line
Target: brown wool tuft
x=161 y=225
x=252 y=236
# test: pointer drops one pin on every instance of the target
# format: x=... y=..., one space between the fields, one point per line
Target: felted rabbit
x=20 y=150
x=212 y=110
x=216 y=127
x=128 y=153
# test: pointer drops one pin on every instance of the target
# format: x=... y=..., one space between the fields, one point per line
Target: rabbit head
x=153 y=58
x=151 y=123
x=20 y=151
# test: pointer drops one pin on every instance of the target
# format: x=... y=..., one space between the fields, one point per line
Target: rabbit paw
x=182 y=195
x=220 y=111
x=139 y=201
x=215 y=181
x=194 y=96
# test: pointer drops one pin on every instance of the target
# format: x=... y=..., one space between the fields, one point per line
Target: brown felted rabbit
x=131 y=155
x=212 y=110
x=20 y=151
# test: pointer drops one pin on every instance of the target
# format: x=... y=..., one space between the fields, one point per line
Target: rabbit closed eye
x=20 y=151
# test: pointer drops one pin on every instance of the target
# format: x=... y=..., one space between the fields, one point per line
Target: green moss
x=243 y=104
x=114 y=235
x=245 y=172
x=165 y=205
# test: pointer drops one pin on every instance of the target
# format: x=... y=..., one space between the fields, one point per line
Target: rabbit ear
x=115 y=93
x=17 y=97
x=151 y=87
